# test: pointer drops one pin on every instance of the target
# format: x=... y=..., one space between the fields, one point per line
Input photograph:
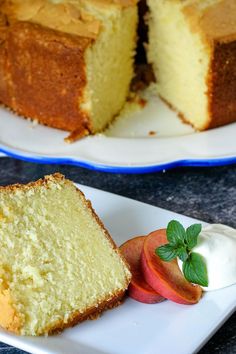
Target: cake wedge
x=58 y=264
x=192 y=47
x=67 y=64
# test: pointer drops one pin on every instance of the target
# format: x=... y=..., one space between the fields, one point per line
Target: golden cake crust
x=65 y=17
x=91 y=313
x=222 y=85
x=217 y=22
x=108 y=3
x=43 y=75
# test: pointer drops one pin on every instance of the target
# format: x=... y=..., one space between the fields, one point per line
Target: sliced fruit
x=138 y=288
x=166 y=277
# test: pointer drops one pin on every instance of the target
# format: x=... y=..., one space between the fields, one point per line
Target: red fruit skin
x=138 y=289
x=166 y=277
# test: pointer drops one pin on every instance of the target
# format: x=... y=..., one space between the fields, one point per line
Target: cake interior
x=181 y=59
x=55 y=260
x=110 y=63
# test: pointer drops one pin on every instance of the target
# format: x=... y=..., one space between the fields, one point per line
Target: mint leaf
x=180 y=245
x=182 y=253
x=192 y=234
x=195 y=270
x=175 y=233
x=166 y=252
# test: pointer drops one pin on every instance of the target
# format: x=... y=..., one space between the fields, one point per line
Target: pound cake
x=58 y=264
x=68 y=64
x=192 y=47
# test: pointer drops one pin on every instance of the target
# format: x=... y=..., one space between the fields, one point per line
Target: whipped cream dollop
x=217 y=244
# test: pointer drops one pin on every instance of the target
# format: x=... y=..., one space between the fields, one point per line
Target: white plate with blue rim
x=135 y=327
x=146 y=140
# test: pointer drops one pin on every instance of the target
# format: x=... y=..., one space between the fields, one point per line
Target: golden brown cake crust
x=216 y=21
x=107 y=3
x=65 y=16
x=91 y=313
x=219 y=21
x=222 y=85
x=43 y=75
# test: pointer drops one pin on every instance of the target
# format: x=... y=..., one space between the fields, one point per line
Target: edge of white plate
x=124 y=169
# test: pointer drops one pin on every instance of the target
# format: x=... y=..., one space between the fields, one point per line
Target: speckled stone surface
x=205 y=193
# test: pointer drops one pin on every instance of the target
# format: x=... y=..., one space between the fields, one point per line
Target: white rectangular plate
x=135 y=327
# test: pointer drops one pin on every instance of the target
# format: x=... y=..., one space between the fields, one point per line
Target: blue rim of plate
x=121 y=169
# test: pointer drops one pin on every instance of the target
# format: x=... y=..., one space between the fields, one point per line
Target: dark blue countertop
x=204 y=193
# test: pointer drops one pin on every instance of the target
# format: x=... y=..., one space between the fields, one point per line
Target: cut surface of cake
x=58 y=264
x=67 y=63
x=192 y=47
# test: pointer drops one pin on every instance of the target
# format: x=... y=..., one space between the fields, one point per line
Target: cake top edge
x=216 y=20
x=65 y=17
x=121 y=3
x=78 y=17
x=56 y=178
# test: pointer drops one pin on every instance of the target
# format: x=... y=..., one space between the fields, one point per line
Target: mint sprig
x=181 y=243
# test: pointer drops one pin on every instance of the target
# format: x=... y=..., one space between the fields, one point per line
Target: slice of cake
x=58 y=264
x=68 y=63
x=192 y=46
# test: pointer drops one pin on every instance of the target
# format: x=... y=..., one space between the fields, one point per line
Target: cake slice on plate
x=192 y=46
x=68 y=63
x=58 y=264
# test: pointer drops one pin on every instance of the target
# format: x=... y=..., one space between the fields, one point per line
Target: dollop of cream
x=217 y=244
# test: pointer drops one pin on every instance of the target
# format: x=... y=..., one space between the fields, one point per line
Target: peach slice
x=138 y=289
x=166 y=277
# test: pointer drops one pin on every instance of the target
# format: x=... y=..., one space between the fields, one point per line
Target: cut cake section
x=67 y=63
x=192 y=47
x=58 y=264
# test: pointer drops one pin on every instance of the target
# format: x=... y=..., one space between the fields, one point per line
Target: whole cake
x=192 y=47
x=68 y=64
x=58 y=264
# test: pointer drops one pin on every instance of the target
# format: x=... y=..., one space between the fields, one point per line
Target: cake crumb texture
x=58 y=264
x=193 y=53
